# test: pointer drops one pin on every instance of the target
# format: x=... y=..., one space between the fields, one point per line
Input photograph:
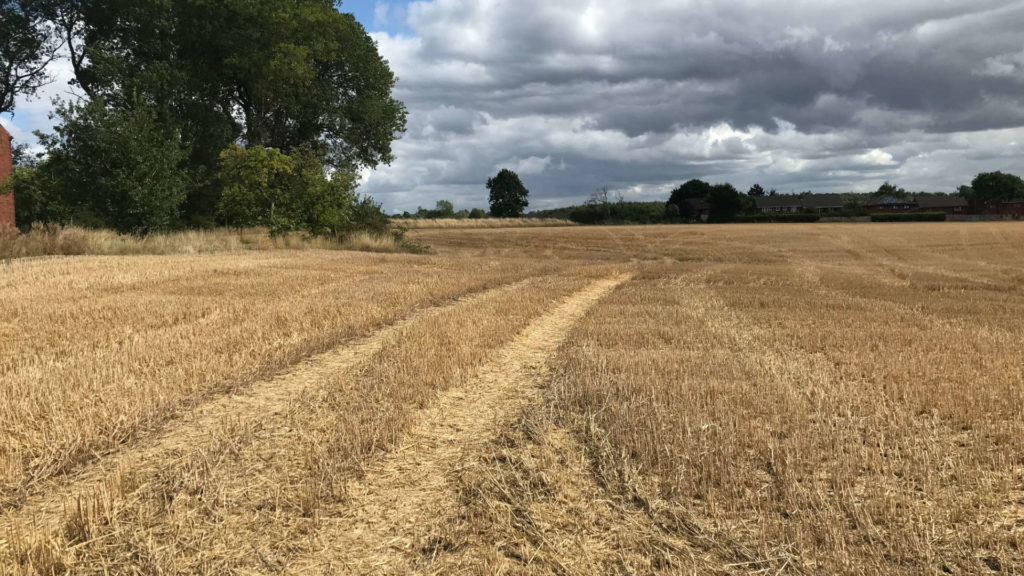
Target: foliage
x=689 y=190
x=263 y=187
x=756 y=190
x=477 y=213
x=296 y=76
x=888 y=189
x=996 y=187
x=115 y=168
x=909 y=217
x=508 y=196
x=34 y=197
x=256 y=186
x=27 y=46
x=724 y=203
x=619 y=213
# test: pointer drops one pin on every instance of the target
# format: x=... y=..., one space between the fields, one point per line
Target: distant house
x=1012 y=209
x=822 y=203
x=888 y=203
x=948 y=203
x=6 y=200
x=778 y=203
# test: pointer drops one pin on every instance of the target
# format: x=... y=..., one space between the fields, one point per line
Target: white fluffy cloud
x=637 y=96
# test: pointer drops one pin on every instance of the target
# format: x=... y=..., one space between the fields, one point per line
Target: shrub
x=117 y=169
x=909 y=217
x=256 y=187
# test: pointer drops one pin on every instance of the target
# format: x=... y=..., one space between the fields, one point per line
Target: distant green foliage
x=909 y=217
x=996 y=187
x=724 y=203
x=508 y=196
x=477 y=213
x=618 y=213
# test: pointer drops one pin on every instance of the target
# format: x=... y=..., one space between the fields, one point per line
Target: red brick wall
x=6 y=200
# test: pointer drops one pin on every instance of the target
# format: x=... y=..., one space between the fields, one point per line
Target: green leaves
x=295 y=76
x=508 y=196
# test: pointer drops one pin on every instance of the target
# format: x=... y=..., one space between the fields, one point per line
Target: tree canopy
x=297 y=77
x=28 y=44
x=995 y=187
x=508 y=196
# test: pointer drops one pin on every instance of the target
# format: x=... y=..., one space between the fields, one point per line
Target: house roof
x=778 y=201
x=940 y=201
x=822 y=201
x=888 y=201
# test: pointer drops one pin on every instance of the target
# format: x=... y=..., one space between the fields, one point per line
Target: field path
x=380 y=524
x=264 y=401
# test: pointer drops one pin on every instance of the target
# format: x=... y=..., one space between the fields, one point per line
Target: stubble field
x=764 y=399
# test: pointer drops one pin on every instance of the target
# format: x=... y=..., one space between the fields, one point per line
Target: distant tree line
x=201 y=113
x=700 y=201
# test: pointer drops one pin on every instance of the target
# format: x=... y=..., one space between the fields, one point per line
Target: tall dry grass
x=53 y=240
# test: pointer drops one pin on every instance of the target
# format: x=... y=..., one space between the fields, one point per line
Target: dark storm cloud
x=579 y=94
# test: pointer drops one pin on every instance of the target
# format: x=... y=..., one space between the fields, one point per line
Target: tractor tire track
x=267 y=400
x=376 y=528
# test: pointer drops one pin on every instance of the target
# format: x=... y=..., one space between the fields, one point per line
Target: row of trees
x=201 y=113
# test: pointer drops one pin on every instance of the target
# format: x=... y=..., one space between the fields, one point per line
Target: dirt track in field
x=266 y=400
x=387 y=516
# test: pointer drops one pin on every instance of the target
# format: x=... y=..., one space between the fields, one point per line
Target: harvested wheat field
x=740 y=399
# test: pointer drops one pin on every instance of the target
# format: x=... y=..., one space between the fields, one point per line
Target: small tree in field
x=508 y=195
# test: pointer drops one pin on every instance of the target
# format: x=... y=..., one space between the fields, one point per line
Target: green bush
x=263 y=187
x=779 y=217
x=619 y=213
x=118 y=169
x=256 y=188
x=909 y=217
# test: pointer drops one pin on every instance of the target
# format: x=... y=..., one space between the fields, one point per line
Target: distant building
x=1012 y=209
x=6 y=169
x=822 y=203
x=819 y=203
x=889 y=204
x=948 y=203
x=778 y=203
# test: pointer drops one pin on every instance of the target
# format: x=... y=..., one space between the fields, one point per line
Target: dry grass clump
x=475 y=223
x=53 y=240
x=96 y=350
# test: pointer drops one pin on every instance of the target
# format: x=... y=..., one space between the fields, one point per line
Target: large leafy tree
x=724 y=203
x=995 y=187
x=508 y=196
x=28 y=44
x=295 y=75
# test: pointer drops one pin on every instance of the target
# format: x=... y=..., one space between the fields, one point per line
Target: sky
x=640 y=96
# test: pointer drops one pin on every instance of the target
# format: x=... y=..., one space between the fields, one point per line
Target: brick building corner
x=6 y=167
